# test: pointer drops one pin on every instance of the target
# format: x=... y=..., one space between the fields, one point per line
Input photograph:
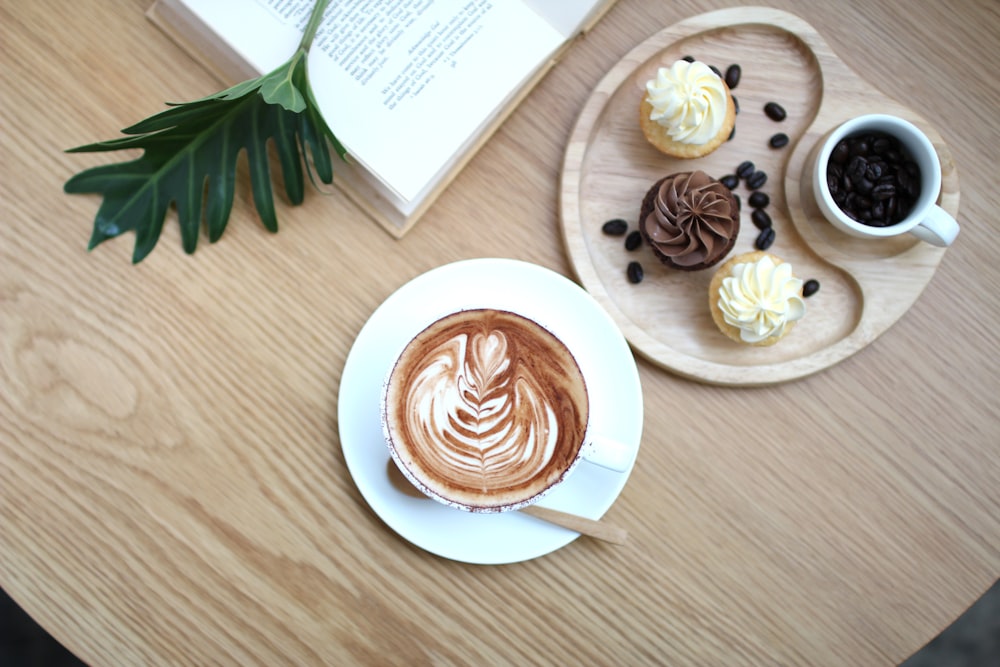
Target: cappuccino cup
x=487 y=410
x=863 y=174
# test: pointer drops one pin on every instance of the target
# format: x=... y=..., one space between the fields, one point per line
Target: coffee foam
x=486 y=408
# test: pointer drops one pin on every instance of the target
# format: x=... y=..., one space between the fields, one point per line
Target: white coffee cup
x=482 y=347
x=925 y=220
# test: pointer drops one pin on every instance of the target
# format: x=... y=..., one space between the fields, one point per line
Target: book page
x=566 y=16
x=404 y=83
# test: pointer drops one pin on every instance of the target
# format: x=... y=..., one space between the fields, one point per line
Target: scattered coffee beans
x=759 y=199
x=730 y=181
x=760 y=218
x=633 y=240
x=775 y=111
x=616 y=227
x=745 y=170
x=810 y=287
x=764 y=239
x=634 y=272
x=778 y=140
x=733 y=73
x=872 y=179
x=757 y=179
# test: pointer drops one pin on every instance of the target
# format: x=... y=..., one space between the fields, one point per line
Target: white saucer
x=604 y=357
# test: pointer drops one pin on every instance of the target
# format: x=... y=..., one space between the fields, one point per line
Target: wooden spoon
x=582 y=525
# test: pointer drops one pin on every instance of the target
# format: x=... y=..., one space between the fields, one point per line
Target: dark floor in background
x=972 y=641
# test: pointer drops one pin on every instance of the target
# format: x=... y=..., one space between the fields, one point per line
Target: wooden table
x=173 y=486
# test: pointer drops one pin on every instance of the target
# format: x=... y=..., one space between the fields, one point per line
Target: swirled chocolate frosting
x=690 y=220
x=485 y=408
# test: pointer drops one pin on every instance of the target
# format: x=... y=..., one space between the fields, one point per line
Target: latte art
x=485 y=408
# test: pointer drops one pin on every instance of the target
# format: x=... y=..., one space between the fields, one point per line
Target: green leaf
x=190 y=152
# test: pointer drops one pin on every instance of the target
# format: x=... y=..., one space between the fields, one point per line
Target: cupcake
x=690 y=220
x=687 y=111
x=755 y=299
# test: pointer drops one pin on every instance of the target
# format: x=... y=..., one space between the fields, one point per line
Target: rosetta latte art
x=488 y=407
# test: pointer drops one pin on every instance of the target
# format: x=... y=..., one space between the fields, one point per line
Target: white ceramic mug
x=926 y=220
x=433 y=429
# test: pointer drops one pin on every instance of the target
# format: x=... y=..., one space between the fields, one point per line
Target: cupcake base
x=657 y=135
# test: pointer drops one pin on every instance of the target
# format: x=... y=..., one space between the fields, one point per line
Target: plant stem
x=313 y=25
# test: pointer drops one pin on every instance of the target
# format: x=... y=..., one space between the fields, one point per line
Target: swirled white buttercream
x=761 y=298
x=689 y=100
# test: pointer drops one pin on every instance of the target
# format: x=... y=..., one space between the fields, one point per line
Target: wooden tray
x=865 y=285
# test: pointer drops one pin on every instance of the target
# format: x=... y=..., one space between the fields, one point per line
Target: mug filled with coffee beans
x=877 y=176
x=487 y=410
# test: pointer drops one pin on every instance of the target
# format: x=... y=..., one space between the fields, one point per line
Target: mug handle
x=607 y=453
x=938 y=228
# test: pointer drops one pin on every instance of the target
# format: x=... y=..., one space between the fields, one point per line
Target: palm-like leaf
x=190 y=153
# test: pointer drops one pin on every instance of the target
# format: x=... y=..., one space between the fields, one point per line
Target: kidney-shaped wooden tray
x=865 y=285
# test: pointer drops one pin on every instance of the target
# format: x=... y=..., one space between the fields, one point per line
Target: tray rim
x=827 y=117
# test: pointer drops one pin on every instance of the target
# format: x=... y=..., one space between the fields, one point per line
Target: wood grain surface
x=173 y=490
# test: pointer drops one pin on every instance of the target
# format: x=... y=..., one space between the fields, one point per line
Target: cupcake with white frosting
x=755 y=299
x=687 y=111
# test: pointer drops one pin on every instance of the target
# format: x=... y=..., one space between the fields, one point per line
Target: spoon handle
x=582 y=525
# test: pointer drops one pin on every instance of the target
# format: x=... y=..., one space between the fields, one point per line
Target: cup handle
x=938 y=228
x=607 y=453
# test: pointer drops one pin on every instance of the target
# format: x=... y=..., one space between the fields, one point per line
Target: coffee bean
x=733 y=73
x=764 y=239
x=689 y=59
x=810 y=287
x=775 y=111
x=759 y=199
x=840 y=153
x=736 y=104
x=715 y=69
x=760 y=218
x=739 y=204
x=634 y=272
x=856 y=168
x=778 y=140
x=903 y=178
x=732 y=134
x=878 y=211
x=757 y=179
x=884 y=191
x=730 y=181
x=616 y=227
x=881 y=145
x=745 y=169
x=861 y=146
x=633 y=240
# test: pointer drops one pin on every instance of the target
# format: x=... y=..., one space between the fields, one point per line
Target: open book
x=412 y=88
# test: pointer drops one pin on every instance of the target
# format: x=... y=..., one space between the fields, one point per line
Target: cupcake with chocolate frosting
x=690 y=220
